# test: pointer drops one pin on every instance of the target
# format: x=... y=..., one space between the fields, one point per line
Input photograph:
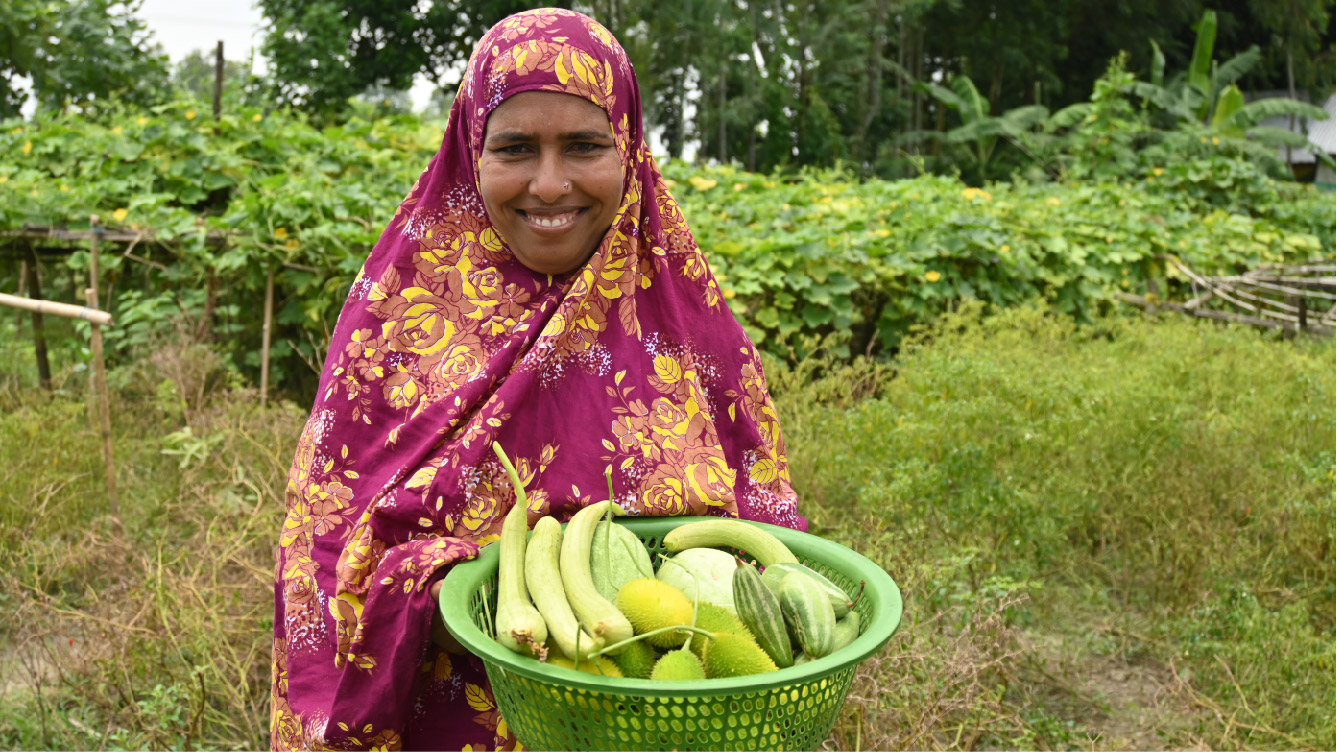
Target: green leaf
x=1157 y=64
x=1234 y=69
x=1228 y=105
x=815 y=316
x=1200 y=67
x=1257 y=111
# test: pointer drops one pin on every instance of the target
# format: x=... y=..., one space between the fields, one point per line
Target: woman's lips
x=550 y=223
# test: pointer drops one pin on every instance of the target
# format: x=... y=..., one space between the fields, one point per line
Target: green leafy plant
x=801 y=256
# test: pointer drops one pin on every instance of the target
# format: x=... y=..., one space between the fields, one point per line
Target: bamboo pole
x=218 y=85
x=1207 y=313
x=265 y=334
x=39 y=307
x=100 y=372
x=34 y=283
x=211 y=238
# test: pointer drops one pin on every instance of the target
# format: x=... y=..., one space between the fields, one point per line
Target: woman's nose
x=549 y=184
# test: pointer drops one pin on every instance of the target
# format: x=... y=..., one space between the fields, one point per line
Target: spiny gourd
x=637 y=661
x=715 y=619
x=605 y=667
x=678 y=665
x=651 y=604
x=733 y=655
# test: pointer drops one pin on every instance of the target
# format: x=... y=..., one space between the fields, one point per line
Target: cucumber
x=759 y=609
x=761 y=545
x=807 y=609
x=776 y=573
x=847 y=630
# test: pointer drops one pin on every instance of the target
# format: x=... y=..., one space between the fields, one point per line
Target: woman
x=538 y=287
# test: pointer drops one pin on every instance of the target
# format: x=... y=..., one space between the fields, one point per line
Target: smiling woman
x=551 y=178
x=538 y=287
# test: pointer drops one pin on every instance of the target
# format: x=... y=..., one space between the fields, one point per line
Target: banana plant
x=1207 y=96
x=980 y=130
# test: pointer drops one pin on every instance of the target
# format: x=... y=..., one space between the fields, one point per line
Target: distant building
x=1322 y=136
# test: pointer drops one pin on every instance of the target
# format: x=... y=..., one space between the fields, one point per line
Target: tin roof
x=1322 y=134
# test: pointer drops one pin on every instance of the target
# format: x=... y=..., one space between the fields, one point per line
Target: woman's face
x=551 y=178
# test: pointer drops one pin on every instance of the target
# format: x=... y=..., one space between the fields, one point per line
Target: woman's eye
x=585 y=147
x=513 y=149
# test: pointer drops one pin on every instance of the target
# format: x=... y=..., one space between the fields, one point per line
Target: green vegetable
x=807 y=609
x=776 y=573
x=520 y=626
x=847 y=630
x=761 y=545
x=599 y=616
x=544 y=577
x=759 y=610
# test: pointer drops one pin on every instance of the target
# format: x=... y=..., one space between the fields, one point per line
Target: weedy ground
x=1113 y=536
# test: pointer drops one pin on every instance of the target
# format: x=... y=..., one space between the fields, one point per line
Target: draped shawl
x=447 y=343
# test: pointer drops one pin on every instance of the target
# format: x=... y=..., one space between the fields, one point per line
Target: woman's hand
x=443 y=638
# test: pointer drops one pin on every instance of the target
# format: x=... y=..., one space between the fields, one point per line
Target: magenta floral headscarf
x=447 y=343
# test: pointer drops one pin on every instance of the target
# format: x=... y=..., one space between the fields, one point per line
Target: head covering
x=447 y=343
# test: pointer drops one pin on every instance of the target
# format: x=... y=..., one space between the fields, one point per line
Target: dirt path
x=1117 y=702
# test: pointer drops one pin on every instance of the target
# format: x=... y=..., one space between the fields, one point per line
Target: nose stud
x=566 y=186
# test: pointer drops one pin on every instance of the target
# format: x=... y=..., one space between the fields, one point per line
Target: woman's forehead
x=547 y=112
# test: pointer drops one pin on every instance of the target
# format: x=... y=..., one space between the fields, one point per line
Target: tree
x=1296 y=39
x=322 y=52
x=76 y=52
x=195 y=74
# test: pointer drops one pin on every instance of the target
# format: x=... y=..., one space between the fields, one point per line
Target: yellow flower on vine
x=120 y=214
x=932 y=276
x=190 y=114
x=1158 y=171
x=27 y=147
x=281 y=233
x=257 y=117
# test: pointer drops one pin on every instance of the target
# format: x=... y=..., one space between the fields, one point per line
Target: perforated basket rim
x=884 y=598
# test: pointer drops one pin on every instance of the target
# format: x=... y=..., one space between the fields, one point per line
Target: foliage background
x=800 y=255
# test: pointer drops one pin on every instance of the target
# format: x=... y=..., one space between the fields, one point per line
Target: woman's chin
x=553 y=265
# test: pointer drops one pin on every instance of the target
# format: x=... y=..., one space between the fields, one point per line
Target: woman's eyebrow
x=510 y=137
x=586 y=136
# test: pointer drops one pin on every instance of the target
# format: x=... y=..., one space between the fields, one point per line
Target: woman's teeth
x=559 y=220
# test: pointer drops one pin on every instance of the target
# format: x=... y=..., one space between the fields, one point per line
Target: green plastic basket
x=549 y=708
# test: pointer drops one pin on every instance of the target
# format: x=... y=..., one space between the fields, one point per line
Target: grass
x=1114 y=536
x=1127 y=495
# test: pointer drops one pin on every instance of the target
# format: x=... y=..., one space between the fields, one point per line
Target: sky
x=182 y=26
